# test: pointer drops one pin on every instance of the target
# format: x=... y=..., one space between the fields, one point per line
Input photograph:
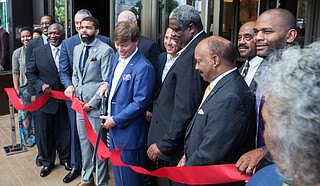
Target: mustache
x=261 y=43
x=243 y=46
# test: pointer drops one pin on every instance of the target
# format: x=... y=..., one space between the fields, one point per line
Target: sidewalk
x=20 y=169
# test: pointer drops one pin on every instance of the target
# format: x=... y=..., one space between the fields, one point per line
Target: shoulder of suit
x=146 y=40
x=104 y=39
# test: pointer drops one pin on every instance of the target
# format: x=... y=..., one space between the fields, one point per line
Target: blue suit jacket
x=66 y=57
x=129 y=102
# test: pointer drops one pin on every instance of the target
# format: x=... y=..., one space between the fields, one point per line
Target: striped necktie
x=245 y=69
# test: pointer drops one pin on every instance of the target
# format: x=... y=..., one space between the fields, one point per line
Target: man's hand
x=87 y=107
x=182 y=161
x=148 y=116
x=46 y=89
x=154 y=152
x=109 y=123
x=248 y=161
x=103 y=90
x=69 y=91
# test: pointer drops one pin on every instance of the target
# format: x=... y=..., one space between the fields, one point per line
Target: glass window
x=4 y=14
x=132 y=5
x=59 y=11
x=248 y=11
x=301 y=19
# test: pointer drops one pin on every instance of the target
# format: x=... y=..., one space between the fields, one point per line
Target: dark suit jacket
x=224 y=126
x=4 y=49
x=150 y=50
x=175 y=104
x=32 y=44
x=42 y=69
x=162 y=59
x=66 y=56
x=130 y=99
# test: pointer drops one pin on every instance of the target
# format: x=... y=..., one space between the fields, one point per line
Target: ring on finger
x=250 y=168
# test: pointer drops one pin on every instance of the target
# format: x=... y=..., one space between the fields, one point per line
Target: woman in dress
x=25 y=118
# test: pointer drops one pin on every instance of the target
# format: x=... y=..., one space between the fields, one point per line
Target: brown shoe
x=86 y=184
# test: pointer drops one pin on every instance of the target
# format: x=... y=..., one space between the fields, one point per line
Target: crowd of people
x=187 y=106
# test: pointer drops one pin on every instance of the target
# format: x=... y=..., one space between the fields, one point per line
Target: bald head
x=223 y=48
x=127 y=16
x=214 y=55
x=284 y=17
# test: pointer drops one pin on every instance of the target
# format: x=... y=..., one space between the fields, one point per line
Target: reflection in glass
x=301 y=20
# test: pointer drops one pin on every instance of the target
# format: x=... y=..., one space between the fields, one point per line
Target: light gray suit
x=97 y=68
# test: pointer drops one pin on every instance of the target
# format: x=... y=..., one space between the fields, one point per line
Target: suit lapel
x=216 y=88
x=93 y=52
x=50 y=57
x=127 y=70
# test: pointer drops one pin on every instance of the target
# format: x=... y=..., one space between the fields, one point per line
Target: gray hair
x=292 y=91
x=84 y=12
x=57 y=25
x=186 y=14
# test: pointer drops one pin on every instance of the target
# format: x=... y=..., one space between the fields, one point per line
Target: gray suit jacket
x=97 y=69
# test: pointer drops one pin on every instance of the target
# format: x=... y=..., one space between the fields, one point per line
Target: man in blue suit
x=129 y=89
x=66 y=63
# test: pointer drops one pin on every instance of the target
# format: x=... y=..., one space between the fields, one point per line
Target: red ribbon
x=192 y=175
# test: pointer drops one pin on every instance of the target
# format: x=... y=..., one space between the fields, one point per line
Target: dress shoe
x=66 y=166
x=71 y=175
x=38 y=162
x=45 y=171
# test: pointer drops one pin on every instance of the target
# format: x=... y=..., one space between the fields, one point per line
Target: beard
x=87 y=39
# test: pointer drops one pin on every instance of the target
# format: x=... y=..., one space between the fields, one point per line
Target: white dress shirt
x=170 y=61
x=215 y=82
x=254 y=64
x=116 y=77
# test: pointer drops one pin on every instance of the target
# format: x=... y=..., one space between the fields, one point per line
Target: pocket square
x=200 y=112
x=126 y=77
x=93 y=59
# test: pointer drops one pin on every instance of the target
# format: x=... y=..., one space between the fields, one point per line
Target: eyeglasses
x=45 y=23
x=246 y=37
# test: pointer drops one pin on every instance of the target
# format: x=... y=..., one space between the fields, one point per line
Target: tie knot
x=247 y=64
x=88 y=47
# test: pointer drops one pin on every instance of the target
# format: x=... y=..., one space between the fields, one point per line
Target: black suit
x=41 y=69
x=175 y=104
x=150 y=50
x=224 y=126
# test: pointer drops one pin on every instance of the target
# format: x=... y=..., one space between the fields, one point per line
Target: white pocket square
x=200 y=112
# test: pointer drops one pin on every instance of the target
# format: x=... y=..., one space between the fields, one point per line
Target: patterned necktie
x=56 y=57
x=245 y=69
